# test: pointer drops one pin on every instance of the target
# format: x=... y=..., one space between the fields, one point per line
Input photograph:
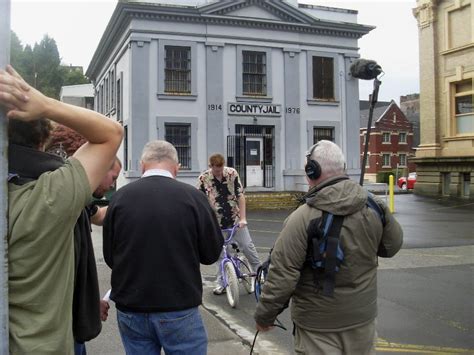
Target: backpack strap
x=376 y=208
x=331 y=263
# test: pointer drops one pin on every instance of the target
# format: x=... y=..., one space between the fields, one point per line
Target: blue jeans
x=179 y=332
x=79 y=348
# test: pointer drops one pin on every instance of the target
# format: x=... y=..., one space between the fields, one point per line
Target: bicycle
x=235 y=269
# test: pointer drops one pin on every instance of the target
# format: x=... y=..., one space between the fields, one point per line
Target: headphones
x=312 y=167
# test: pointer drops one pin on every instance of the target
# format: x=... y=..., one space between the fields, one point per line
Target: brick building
x=391 y=140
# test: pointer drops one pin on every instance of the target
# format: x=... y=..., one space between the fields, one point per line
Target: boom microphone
x=365 y=69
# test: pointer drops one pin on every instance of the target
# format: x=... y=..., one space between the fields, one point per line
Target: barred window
x=320 y=133
x=180 y=136
x=254 y=71
x=178 y=70
x=323 y=78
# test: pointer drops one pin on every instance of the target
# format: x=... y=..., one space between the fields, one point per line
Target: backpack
x=325 y=254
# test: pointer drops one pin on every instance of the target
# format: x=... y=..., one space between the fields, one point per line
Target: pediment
x=253 y=12
x=274 y=10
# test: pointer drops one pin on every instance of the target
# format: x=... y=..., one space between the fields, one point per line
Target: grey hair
x=330 y=157
x=159 y=151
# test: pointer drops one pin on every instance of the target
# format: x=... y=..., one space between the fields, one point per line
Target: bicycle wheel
x=245 y=272
x=232 y=288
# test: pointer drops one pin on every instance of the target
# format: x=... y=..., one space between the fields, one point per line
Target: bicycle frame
x=235 y=260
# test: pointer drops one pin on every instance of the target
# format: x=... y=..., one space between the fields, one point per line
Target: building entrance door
x=251 y=151
x=254 y=167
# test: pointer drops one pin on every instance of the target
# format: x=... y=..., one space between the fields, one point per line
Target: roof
x=282 y=16
x=379 y=110
x=84 y=90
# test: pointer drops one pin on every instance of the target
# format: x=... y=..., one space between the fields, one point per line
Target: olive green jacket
x=355 y=294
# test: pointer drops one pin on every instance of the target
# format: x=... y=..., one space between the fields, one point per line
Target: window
x=254 y=73
x=385 y=137
x=112 y=89
x=458 y=34
x=323 y=78
x=465 y=180
x=320 y=133
x=126 y=165
x=446 y=180
x=89 y=103
x=180 y=136
x=102 y=99
x=402 y=137
x=386 y=160
x=463 y=107
x=177 y=70
x=119 y=100
x=107 y=95
x=402 y=160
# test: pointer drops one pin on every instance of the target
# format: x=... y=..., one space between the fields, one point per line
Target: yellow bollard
x=390 y=189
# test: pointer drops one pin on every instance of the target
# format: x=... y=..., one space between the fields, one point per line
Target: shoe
x=252 y=284
x=219 y=290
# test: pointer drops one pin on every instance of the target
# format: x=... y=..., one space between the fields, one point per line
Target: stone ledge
x=272 y=200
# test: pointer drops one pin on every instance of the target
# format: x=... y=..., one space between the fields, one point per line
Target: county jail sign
x=253 y=109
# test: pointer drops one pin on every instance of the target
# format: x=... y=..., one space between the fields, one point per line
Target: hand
x=104 y=310
x=242 y=223
x=263 y=328
x=21 y=100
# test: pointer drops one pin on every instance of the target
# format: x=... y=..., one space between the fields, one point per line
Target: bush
x=383 y=176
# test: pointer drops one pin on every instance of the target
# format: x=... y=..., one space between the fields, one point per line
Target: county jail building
x=256 y=80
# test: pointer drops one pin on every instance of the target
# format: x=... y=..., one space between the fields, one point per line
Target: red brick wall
x=387 y=124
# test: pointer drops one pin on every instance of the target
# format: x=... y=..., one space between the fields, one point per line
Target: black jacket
x=86 y=323
x=157 y=231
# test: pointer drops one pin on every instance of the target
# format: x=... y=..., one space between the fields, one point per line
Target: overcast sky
x=77 y=26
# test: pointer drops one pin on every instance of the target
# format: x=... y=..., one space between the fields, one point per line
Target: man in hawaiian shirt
x=224 y=191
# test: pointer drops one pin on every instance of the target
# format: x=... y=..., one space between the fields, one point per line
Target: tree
x=74 y=76
x=41 y=66
x=47 y=70
x=64 y=141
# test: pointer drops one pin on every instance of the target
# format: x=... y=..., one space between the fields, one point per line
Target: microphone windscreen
x=365 y=69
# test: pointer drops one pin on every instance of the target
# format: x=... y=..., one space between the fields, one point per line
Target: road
x=426 y=292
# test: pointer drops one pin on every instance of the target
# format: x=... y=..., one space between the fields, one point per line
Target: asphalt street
x=426 y=292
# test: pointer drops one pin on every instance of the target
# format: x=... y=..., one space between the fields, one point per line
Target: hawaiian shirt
x=222 y=195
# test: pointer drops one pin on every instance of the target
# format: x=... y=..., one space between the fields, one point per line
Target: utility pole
x=4 y=60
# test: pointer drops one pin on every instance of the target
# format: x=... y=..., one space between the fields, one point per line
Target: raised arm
x=103 y=135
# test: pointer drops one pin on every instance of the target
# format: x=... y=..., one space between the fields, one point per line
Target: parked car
x=407 y=183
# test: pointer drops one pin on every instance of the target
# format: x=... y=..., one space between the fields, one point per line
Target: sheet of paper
x=107 y=296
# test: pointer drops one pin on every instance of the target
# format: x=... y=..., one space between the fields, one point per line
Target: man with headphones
x=341 y=321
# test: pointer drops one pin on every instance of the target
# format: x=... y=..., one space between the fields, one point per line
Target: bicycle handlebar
x=230 y=232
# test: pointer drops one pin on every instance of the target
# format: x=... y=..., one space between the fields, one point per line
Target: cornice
x=321 y=28
x=125 y=12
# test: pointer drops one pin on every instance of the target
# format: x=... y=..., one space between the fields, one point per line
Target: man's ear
x=176 y=169
x=142 y=166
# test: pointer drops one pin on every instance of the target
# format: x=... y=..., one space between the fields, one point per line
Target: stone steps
x=272 y=200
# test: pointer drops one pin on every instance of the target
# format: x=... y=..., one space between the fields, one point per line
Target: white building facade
x=256 y=80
